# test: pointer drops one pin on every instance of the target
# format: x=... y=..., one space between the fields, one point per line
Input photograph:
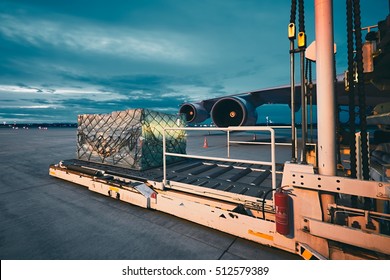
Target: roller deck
x=248 y=180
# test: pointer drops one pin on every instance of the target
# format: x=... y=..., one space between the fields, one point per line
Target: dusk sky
x=62 y=58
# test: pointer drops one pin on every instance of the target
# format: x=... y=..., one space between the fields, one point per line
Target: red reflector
x=154 y=195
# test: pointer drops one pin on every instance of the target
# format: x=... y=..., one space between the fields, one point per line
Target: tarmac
x=45 y=218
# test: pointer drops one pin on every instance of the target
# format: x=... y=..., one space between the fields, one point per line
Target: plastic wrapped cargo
x=131 y=139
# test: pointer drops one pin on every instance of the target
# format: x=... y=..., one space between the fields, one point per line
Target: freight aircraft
x=240 y=109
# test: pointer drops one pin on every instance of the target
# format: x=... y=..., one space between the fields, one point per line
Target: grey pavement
x=42 y=217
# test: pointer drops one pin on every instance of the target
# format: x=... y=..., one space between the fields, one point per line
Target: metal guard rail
x=228 y=130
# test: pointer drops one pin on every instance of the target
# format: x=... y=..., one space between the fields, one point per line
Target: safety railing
x=272 y=163
x=251 y=142
x=263 y=142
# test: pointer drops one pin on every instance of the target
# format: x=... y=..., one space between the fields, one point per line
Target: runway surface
x=42 y=217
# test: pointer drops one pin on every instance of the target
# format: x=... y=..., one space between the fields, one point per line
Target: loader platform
x=224 y=179
x=238 y=196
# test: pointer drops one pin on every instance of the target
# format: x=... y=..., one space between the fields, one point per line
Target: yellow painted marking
x=114 y=189
x=52 y=172
x=262 y=235
x=307 y=255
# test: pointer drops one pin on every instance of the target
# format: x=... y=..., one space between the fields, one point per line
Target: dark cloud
x=63 y=58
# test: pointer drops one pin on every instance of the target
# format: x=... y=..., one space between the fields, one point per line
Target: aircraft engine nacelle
x=234 y=111
x=194 y=112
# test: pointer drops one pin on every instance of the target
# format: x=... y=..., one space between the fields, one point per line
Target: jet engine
x=194 y=112
x=234 y=111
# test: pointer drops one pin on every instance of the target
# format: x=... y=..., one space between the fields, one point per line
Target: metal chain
x=361 y=91
x=293 y=11
x=301 y=16
x=336 y=104
x=351 y=94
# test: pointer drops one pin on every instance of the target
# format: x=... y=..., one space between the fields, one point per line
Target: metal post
x=358 y=141
x=304 y=107
x=164 y=160
x=273 y=158
x=325 y=95
x=228 y=143
x=325 y=88
x=296 y=142
x=311 y=117
x=292 y=81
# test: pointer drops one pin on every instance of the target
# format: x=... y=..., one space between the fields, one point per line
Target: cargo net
x=131 y=139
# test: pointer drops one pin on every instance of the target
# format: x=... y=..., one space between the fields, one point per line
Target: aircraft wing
x=240 y=109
